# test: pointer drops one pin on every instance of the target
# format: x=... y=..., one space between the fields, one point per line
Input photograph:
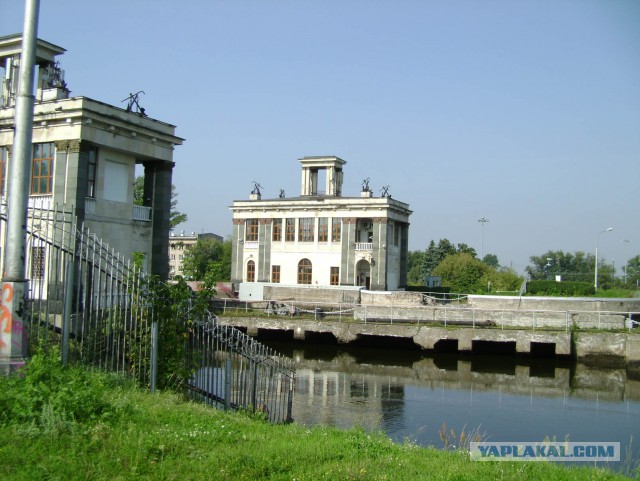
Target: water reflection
x=410 y=396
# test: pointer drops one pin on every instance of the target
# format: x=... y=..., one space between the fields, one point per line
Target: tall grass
x=71 y=424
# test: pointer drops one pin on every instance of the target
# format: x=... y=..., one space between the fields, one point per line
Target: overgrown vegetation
x=462 y=271
x=553 y=288
x=71 y=423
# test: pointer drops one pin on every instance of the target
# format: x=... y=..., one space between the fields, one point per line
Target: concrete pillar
x=263 y=263
x=158 y=175
x=348 y=257
x=237 y=251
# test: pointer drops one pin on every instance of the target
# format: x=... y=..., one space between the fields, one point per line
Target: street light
x=608 y=229
x=624 y=268
x=483 y=221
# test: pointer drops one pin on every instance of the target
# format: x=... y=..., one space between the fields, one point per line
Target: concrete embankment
x=619 y=348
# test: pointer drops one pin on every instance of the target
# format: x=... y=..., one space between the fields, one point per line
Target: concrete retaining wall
x=392 y=298
x=600 y=348
x=312 y=294
x=499 y=317
x=555 y=303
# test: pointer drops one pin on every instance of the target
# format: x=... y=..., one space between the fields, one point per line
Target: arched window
x=251 y=271
x=304 y=271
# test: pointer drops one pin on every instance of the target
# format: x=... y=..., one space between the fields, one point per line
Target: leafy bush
x=565 y=288
x=49 y=396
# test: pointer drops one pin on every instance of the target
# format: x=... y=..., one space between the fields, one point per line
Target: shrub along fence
x=102 y=311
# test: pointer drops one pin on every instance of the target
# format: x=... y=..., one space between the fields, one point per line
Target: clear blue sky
x=523 y=112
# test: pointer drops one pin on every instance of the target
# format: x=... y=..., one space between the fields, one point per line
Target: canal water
x=413 y=397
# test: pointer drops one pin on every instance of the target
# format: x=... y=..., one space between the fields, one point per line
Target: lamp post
x=624 y=268
x=608 y=229
x=483 y=221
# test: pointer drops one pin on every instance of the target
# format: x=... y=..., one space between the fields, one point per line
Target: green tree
x=436 y=253
x=491 y=260
x=414 y=268
x=208 y=260
x=632 y=271
x=504 y=279
x=175 y=217
x=577 y=266
x=463 y=273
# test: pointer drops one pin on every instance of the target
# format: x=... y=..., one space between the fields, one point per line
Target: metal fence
x=100 y=310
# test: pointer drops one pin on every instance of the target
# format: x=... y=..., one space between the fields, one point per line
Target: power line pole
x=483 y=221
x=13 y=340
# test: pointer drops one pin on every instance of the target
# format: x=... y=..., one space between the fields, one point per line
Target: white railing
x=364 y=246
x=140 y=212
x=251 y=244
x=452 y=316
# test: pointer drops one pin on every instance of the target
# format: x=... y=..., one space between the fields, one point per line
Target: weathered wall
x=496 y=317
x=311 y=294
x=594 y=347
x=555 y=303
x=391 y=298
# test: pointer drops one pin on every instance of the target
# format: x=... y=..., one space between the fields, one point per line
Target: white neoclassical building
x=321 y=238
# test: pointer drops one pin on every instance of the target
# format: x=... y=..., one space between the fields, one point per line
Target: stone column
x=158 y=175
x=237 y=251
x=348 y=258
x=379 y=255
x=264 y=251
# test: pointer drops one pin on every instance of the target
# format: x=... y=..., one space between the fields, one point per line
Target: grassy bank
x=70 y=424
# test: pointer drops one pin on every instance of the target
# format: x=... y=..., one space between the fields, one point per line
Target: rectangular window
x=42 y=169
x=275 y=274
x=323 y=229
x=251 y=230
x=37 y=262
x=335 y=276
x=335 y=229
x=305 y=229
x=92 y=165
x=277 y=230
x=4 y=157
x=290 y=232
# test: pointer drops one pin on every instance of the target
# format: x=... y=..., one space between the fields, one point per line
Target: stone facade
x=321 y=238
x=93 y=149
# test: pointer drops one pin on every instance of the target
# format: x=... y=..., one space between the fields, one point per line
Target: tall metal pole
x=13 y=335
x=608 y=229
x=482 y=221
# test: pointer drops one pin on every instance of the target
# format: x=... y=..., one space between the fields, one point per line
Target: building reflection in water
x=506 y=399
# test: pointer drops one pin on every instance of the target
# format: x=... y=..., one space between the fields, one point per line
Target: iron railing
x=99 y=309
x=447 y=315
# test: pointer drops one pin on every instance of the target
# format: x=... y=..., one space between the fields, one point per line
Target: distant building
x=179 y=244
x=84 y=158
x=321 y=238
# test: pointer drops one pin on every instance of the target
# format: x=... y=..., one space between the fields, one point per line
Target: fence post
x=224 y=308
x=254 y=391
x=66 y=311
x=227 y=384
x=473 y=315
x=365 y=313
x=154 y=354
